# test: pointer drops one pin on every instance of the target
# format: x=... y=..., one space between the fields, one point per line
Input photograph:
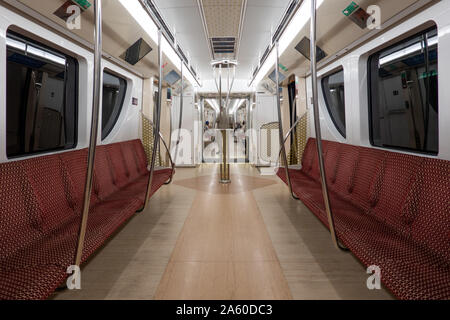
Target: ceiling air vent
x=182 y=54
x=136 y=52
x=264 y=56
x=223 y=45
x=193 y=71
x=304 y=47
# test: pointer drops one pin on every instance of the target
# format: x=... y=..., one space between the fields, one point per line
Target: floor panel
x=202 y=240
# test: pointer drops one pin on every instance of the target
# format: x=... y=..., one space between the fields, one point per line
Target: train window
x=403 y=93
x=333 y=91
x=41 y=99
x=114 y=89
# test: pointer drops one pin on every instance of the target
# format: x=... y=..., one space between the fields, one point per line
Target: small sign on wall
x=135 y=101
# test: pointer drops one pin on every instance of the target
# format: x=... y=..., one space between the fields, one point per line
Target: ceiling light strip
x=270 y=47
x=292 y=26
x=145 y=17
x=241 y=27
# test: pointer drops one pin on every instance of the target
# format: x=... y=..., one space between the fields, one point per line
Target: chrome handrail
x=315 y=94
x=180 y=120
x=94 y=131
x=170 y=158
x=157 y=117
x=289 y=134
x=161 y=136
x=280 y=120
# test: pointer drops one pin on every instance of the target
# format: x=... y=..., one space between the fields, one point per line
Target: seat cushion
x=31 y=283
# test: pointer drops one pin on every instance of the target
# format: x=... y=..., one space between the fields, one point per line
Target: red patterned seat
x=41 y=203
x=390 y=210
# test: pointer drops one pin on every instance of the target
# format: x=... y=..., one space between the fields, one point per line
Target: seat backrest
x=49 y=182
x=400 y=173
x=310 y=162
x=75 y=163
x=117 y=160
x=131 y=160
x=366 y=183
x=331 y=162
x=141 y=156
x=104 y=182
x=347 y=163
x=19 y=210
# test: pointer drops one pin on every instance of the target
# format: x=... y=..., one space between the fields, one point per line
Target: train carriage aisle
x=238 y=153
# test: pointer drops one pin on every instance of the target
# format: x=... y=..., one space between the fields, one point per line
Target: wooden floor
x=202 y=240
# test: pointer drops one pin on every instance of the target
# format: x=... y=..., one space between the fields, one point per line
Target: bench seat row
x=40 y=212
x=391 y=210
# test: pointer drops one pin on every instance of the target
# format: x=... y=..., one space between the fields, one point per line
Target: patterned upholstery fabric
x=391 y=210
x=40 y=212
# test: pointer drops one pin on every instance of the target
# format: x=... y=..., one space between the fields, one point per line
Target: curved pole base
x=295 y=197
x=342 y=247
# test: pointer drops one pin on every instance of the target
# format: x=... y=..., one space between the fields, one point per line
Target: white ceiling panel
x=261 y=17
x=184 y=17
x=222 y=17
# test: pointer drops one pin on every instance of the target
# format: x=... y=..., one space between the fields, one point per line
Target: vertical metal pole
x=224 y=166
x=323 y=178
x=220 y=94
x=156 y=124
x=180 y=123
x=94 y=129
x=280 y=126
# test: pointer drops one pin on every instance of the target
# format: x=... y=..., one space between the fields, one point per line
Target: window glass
x=41 y=98
x=333 y=91
x=404 y=95
x=114 y=89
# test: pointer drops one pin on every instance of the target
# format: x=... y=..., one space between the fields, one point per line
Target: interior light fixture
x=290 y=33
x=40 y=53
x=16 y=44
x=141 y=16
x=297 y=23
x=238 y=104
x=407 y=51
x=214 y=104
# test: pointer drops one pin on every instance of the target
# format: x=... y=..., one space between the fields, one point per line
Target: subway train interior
x=225 y=150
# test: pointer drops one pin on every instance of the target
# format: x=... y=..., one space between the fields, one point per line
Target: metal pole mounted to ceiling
x=94 y=130
x=323 y=179
x=156 y=122
x=280 y=123
x=180 y=122
x=224 y=166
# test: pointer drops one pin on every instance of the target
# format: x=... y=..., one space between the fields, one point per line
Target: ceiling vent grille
x=223 y=45
x=182 y=54
x=193 y=71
